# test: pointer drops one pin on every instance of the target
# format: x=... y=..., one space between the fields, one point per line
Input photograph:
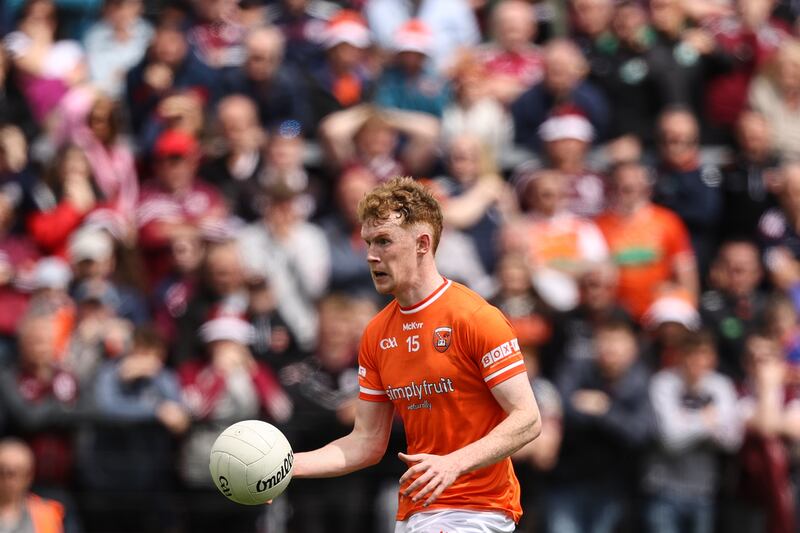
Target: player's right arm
x=363 y=447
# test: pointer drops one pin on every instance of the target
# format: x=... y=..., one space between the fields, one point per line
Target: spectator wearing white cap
x=225 y=386
x=452 y=23
x=566 y=138
x=407 y=84
x=343 y=79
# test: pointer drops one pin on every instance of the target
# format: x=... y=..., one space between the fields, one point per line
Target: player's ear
x=424 y=241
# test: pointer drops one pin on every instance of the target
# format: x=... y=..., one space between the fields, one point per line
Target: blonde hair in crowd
x=411 y=200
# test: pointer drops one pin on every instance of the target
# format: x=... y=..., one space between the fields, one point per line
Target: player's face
x=391 y=254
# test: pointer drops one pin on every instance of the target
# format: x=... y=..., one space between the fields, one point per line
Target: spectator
x=49 y=285
x=41 y=401
x=575 y=331
x=749 y=181
x=14 y=108
x=217 y=34
x=115 y=44
x=91 y=122
x=556 y=238
x=452 y=24
x=349 y=268
x=48 y=68
x=168 y=66
x=686 y=185
x=672 y=316
x=736 y=305
x=605 y=409
x=236 y=172
x=512 y=63
x=649 y=243
x=275 y=88
x=777 y=229
x=276 y=247
x=563 y=83
x=476 y=199
x=776 y=93
x=139 y=405
x=625 y=75
x=63 y=198
x=406 y=83
x=224 y=387
x=538 y=457
x=221 y=290
x=175 y=203
x=566 y=136
x=285 y=165
x=771 y=414
x=365 y=136
x=22 y=510
x=474 y=111
x=590 y=25
x=300 y=22
x=342 y=80
x=273 y=343
x=750 y=28
x=696 y=417
x=680 y=57
x=323 y=390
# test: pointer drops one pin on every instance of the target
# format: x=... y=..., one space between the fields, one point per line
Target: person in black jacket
x=607 y=422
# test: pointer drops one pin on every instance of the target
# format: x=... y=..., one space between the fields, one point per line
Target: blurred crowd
x=179 y=248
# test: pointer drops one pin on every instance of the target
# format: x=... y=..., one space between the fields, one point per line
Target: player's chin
x=382 y=284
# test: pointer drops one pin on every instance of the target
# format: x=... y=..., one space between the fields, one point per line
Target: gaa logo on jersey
x=441 y=338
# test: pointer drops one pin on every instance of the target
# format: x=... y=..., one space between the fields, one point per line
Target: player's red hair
x=410 y=199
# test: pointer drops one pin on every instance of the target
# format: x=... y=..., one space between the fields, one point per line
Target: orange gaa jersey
x=437 y=362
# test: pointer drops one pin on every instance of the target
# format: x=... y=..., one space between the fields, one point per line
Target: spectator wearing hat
x=342 y=80
x=275 y=87
x=566 y=137
x=223 y=387
x=63 y=198
x=696 y=418
x=277 y=247
x=607 y=423
x=749 y=182
x=175 y=203
x=407 y=84
x=452 y=24
x=115 y=44
x=139 y=406
x=672 y=316
x=649 y=243
x=734 y=307
x=322 y=388
x=512 y=63
x=302 y=23
x=685 y=184
x=565 y=69
x=168 y=66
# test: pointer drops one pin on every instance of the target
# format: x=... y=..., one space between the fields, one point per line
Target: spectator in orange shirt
x=649 y=244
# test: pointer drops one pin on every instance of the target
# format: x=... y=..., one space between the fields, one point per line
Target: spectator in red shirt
x=175 y=203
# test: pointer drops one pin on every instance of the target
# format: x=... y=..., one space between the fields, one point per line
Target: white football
x=251 y=462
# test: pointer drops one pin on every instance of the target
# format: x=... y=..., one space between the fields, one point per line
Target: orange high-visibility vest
x=47 y=515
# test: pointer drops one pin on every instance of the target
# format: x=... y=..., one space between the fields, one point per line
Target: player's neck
x=425 y=285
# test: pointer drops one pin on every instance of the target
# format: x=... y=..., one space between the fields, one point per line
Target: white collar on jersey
x=432 y=297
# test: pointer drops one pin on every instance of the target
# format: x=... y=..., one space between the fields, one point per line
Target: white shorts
x=456 y=521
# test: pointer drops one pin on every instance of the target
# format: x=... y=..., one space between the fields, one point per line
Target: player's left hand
x=433 y=473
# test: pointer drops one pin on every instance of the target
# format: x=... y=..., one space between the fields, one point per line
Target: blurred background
x=179 y=248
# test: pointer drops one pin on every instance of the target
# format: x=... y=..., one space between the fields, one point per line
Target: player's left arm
x=434 y=473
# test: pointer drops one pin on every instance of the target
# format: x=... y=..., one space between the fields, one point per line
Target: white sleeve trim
x=372 y=392
x=505 y=369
